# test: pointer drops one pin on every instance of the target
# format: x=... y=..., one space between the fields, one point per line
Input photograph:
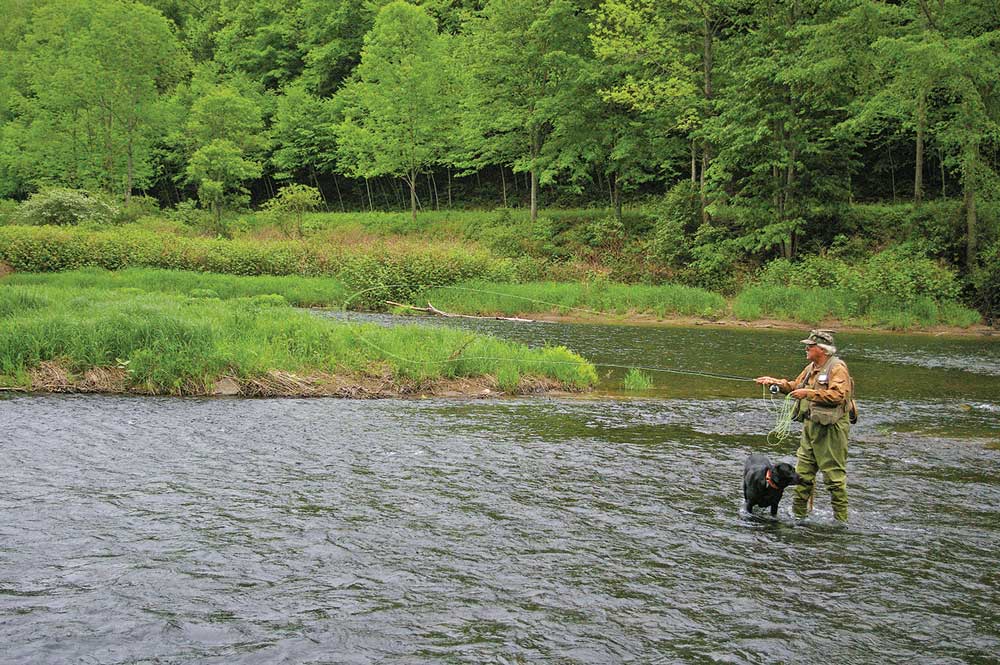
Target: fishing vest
x=821 y=413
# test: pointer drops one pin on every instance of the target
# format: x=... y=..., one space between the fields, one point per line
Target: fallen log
x=431 y=309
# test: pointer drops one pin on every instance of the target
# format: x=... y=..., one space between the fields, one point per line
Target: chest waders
x=823 y=446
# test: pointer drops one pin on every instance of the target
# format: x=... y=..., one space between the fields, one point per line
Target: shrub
x=902 y=273
x=290 y=205
x=8 y=211
x=607 y=233
x=137 y=208
x=677 y=216
x=64 y=207
x=985 y=281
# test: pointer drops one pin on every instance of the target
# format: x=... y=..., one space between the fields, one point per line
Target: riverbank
x=594 y=301
x=61 y=339
x=678 y=321
x=58 y=377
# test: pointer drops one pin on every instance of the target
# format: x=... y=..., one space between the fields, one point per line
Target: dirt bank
x=53 y=377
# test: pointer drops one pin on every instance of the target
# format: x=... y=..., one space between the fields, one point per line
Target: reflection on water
x=465 y=531
x=602 y=529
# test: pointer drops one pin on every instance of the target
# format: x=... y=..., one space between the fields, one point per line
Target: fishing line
x=783 y=416
x=457 y=357
x=783 y=411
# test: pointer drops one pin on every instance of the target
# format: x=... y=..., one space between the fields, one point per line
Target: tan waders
x=823 y=448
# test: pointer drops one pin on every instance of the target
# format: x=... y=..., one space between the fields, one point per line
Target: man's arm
x=784 y=385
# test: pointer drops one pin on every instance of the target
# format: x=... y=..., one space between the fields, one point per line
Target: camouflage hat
x=824 y=337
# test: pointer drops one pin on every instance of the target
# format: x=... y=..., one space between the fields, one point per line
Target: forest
x=749 y=133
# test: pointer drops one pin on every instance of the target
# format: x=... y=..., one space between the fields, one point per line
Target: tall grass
x=478 y=297
x=637 y=380
x=177 y=345
x=297 y=291
x=812 y=306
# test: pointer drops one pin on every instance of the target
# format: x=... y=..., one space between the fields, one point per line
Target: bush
x=677 y=216
x=607 y=233
x=8 y=211
x=985 y=282
x=290 y=205
x=902 y=273
x=65 y=207
x=137 y=208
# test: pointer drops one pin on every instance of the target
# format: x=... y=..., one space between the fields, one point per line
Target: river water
x=601 y=529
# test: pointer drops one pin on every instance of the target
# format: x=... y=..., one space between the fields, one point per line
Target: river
x=599 y=529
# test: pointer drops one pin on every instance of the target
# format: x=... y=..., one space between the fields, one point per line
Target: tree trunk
x=503 y=185
x=413 y=195
x=130 y=175
x=371 y=204
x=944 y=191
x=616 y=197
x=789 y=182
x=340 y=197
x=449 y=187
x=708 y=60
x=694 y=162
x=970 y=227
x=322 y=196
x=892 y=173
x=918 y=175
x=536 y=148
x=534 y=194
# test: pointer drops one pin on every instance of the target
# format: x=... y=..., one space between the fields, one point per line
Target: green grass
x=476 y=297
x=637 y=380
x=297 y=291
x=178 y=345
x=812 y=306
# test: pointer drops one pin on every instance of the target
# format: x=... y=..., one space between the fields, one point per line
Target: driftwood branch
x=431 y=309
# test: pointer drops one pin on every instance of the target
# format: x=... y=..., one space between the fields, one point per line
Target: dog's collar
x=770 y=483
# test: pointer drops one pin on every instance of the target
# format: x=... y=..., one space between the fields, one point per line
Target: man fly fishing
x=826 y=409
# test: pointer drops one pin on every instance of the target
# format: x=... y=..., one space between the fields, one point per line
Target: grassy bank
x=582 y=300
x=408 y=266
x=297 y=291
x=62 y=338
x=813 y=306
x=598 y=297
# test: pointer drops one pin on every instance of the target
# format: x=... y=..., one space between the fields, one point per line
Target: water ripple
x=319 y=531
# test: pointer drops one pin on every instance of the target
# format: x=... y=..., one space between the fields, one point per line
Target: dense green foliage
x=178 y=345
x=753 y=129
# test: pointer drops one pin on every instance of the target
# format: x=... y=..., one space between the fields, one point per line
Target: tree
x=522 y=57
x=94 y=80
x=219 y=169
x=395 y=109
x=303 y=133
x=290 y=206
x=226 y=130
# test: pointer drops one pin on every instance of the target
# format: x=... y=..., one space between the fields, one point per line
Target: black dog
x=764 y=483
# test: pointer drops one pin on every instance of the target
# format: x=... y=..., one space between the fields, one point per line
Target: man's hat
x=824 y=337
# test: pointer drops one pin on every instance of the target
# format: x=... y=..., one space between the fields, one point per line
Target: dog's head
x=783 y=475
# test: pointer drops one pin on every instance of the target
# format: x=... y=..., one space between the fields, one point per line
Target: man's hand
x=767 y=380
x=800 y=393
